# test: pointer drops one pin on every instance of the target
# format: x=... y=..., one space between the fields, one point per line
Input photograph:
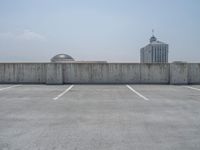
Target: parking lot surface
x=99 y=117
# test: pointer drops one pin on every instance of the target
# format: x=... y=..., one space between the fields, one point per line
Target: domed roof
x=62 y=58
x=153 y=39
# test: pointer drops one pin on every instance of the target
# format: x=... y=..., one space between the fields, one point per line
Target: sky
x=102 y=30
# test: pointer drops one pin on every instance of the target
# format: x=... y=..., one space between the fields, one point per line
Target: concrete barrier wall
x=179 y=73
x=54 y=74
x=101 y=73
x=155 y=73
x=22 y=73
x=59 y=73
x=194 y=73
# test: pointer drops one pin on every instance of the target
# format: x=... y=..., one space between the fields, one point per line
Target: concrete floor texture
x=99 y=117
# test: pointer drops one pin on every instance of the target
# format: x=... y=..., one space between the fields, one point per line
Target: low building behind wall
x=101 y=73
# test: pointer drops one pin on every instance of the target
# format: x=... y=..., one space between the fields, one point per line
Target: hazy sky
x=112 y=30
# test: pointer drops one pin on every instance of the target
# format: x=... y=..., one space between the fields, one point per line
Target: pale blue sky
x=112 y=30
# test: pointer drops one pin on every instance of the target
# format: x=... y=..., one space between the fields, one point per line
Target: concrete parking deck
x=99 y=117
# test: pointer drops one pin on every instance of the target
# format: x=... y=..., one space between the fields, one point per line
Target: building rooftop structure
x=155 y=52
x=153 y=40
x=64 y=58
x=61 y=58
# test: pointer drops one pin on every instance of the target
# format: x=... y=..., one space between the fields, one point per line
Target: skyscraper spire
x=152 y=32
x=153 y=38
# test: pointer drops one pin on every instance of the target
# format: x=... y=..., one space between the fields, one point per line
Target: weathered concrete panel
x=54 y=73
x=101 y=73
x=22 y=73
x=179 y=73
x=31 y=73
x=68 y=73
x=77 y=73
x=194 y=73
x=85 y=73
x=126 y=73
x=114 y=73
x=154 y=73
x=7 y=73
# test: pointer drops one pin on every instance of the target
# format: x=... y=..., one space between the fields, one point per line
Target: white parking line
x=9 y=87
x=137 y=93
x=192 y=88
x=61 y=94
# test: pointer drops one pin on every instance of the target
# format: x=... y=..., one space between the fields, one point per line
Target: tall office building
x=154 y=52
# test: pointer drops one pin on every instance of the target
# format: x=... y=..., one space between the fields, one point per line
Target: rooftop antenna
x=152 y=32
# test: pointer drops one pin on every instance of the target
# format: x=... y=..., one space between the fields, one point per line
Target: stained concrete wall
x=22 y=73
x=185 y=73
x=101 y=73
x=155 y=73
x=179 y=73
x=194 y=73
x=59 y=73
x=54 y=73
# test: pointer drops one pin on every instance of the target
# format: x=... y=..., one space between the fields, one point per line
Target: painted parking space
x=64 y=92
x=168 y=92
x=30 y=91
x=197 y=88
x=8 y=86
x=100 y=98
